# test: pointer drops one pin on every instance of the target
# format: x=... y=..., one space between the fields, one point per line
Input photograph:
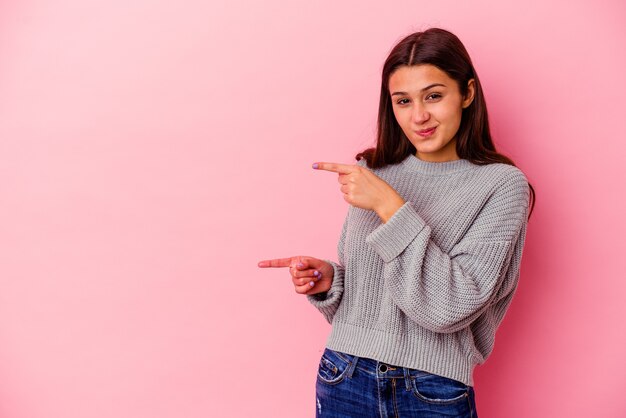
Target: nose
x=420 y=114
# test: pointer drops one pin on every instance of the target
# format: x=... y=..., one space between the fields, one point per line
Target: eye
x=401 y=101
x=434 y=96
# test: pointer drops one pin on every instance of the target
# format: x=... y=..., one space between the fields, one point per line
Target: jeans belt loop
x=407 y=378
x=352 y=366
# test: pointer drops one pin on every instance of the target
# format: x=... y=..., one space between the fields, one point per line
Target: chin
x=424 y=150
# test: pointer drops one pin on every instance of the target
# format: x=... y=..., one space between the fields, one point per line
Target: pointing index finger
x=278 y=262
x=335 y=167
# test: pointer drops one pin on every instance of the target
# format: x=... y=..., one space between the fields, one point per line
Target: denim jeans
x=351 y=386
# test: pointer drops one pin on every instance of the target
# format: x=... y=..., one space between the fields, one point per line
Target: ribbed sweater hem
x=402 y=350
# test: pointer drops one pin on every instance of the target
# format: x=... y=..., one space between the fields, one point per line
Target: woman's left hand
x=364 y=189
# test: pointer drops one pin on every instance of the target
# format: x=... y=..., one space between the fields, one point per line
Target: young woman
x=430 y=250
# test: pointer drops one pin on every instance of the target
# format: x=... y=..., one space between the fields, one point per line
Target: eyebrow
x=422 y=90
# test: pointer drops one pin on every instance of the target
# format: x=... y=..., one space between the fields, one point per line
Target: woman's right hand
x=308 y=274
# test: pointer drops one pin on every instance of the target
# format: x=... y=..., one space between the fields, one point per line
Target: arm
x=445 y=292
x=328 y=302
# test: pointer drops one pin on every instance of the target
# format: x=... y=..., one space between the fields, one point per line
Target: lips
x=426 y=132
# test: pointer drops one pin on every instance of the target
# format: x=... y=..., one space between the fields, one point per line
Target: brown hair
x=444 y=50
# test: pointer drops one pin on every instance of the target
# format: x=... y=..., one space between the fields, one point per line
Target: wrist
x=389 y=206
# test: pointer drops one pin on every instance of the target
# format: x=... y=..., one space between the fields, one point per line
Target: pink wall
x=151 y=153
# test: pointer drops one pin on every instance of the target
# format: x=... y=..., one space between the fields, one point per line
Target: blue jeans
x=351 y=386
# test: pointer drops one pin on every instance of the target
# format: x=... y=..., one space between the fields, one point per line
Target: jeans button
x=382 y=368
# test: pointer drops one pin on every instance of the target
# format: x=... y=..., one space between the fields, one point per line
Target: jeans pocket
x=435 y=389
x=333 y=366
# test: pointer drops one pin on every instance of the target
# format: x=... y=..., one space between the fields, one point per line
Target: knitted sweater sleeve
x=328 y=302
x=445 y=292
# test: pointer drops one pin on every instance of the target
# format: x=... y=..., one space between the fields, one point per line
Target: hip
x=349 y=385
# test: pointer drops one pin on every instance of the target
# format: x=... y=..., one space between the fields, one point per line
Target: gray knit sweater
x=428 y=289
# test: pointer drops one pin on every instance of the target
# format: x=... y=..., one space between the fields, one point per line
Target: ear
x=469 y=97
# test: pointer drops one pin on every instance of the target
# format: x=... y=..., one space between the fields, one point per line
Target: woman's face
x=428 y=105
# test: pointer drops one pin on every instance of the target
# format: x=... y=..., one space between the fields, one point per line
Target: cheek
x=400 y=116
x=450 y=115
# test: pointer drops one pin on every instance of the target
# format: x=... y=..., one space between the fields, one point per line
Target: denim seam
x=343 y=357
x=340 y=355
x=380 y=400
x=407 y=379
x=395 y=403
x=351 y=367
x=469 y=402
x=336 y=379
x=415 y=391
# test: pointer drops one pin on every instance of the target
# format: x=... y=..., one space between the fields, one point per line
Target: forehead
x=416 y=77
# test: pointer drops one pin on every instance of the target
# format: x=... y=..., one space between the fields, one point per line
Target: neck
x=431 y=167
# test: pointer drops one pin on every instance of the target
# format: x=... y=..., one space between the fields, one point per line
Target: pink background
x=152 y=152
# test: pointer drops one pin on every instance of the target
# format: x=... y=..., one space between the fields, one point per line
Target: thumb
x=303 y=263
x=300 y=263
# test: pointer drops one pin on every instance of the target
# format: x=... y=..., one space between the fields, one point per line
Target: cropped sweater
x=428 y=289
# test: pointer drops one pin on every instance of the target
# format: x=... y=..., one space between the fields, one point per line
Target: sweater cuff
x=391 y=238
x=328 y=301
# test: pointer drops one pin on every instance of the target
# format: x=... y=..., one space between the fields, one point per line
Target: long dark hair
x=445 y=51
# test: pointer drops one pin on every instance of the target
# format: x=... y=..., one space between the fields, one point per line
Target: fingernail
x=312 y=284
x=315 y=165
x=300 y=265
x=316 y=272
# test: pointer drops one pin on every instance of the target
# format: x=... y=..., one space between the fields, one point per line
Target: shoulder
x=501 y=170
x=501 y=174
x=508 y=183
